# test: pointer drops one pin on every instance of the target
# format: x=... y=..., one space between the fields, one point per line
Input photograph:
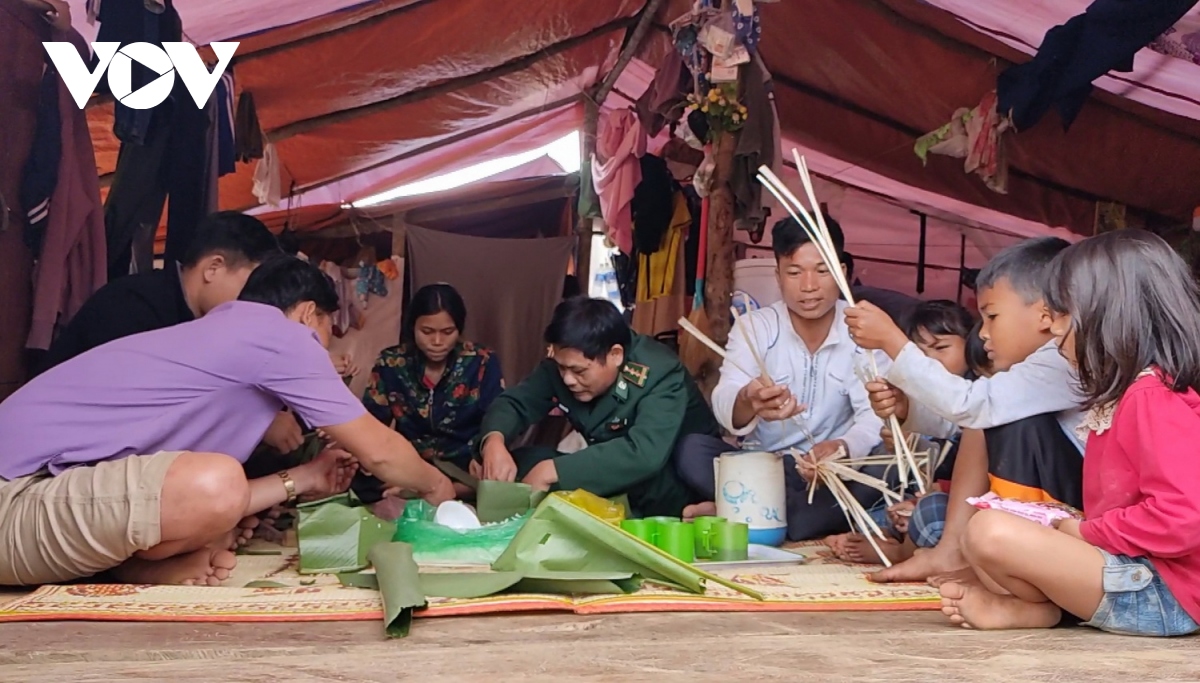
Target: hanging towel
x=247 y=134
x=266 y=178
x=616 y=174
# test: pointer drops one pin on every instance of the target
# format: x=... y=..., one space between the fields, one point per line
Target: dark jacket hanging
x=1104 y=38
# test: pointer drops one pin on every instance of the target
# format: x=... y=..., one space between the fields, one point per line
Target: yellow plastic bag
x=612 y=512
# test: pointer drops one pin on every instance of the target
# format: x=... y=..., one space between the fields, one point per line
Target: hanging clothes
x=976 y=136
x=665 y=99
x=226 y=125
x=268 y=188
x=174 y=161
x=247 y=134
x=653 y=204
x=616 y=173
x=662 y=282
x=1104 y=38
x=656 y=276
x=757 y=145
x=72 y=264
x=136 y=21
x=39 y=177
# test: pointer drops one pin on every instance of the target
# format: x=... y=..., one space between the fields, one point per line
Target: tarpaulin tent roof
x=407 y=87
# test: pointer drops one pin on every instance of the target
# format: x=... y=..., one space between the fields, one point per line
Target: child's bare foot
x=700 y=510
x=205 y=567
x=965 y=576
x=860 y=551
x=977 y=607
x=921 y=566
x=837 y=545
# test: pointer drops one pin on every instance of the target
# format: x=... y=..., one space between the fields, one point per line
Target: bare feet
x=921 y=566
x=977 y=607
x=860 y=551
x=205 y=567
x=245 y=531
x=700 y=510
x=267 y=528
x=837 y=545
x=965 y=576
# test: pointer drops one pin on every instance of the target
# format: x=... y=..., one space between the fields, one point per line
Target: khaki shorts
x=84 y=521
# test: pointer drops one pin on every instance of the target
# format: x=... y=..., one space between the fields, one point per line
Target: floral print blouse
x=439 y=420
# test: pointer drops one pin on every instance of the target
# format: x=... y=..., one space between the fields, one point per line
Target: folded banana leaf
x=497 y=501
x=561 y=537
x=399 y=587
x=335 y=535
x=468 y=586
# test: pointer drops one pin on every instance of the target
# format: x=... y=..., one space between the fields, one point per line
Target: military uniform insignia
x=635 y=373
x=617 y=424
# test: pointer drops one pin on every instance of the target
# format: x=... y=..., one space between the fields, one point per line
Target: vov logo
x=170 y=59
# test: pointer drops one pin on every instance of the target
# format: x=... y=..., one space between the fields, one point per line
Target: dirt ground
x=891 y=647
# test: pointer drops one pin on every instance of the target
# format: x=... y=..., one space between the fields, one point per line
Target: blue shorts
x=1136 y=602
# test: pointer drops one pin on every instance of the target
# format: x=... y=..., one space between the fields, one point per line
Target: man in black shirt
x=227 y=247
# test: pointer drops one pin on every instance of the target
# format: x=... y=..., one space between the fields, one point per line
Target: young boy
x=128 y=457
x=626 y=394
x=945 y=332
x=1027 y=411
x=813 y=400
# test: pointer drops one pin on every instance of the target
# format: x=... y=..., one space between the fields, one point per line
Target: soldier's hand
x=887 y=400
x=771 y=403
x=498 y=463
x=542 y=476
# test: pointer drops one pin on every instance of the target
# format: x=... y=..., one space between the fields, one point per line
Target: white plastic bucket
x=750 y=489
x=755 y=278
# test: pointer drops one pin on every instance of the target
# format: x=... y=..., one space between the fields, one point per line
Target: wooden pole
x=718 y=282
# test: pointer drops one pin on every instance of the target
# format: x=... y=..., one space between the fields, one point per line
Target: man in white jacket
x=812 y=400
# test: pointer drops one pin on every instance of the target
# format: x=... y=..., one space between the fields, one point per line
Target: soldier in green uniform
x=626 y=394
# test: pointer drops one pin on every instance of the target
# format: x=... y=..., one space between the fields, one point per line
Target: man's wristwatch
x=289 y=485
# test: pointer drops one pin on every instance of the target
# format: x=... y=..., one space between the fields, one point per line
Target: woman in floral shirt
x=434 y=386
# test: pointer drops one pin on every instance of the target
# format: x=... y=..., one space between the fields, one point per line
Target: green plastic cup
x=678 y=539
x=730 y=542
x=657 y=523
x=642 y=528
x=704 y=528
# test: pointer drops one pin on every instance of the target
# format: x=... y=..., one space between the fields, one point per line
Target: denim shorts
x=1136 y=602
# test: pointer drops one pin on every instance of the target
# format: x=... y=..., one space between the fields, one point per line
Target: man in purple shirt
x=128 y=457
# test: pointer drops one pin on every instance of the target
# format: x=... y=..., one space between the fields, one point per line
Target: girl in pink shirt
x=1125 y=310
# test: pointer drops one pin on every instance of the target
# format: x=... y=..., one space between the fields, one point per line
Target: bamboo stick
x=712 y=345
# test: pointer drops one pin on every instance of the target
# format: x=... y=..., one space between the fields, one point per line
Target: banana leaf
x=497 y=501
x=561 y=537
x=482 y=584
x=336 y=535
x=399 y=586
